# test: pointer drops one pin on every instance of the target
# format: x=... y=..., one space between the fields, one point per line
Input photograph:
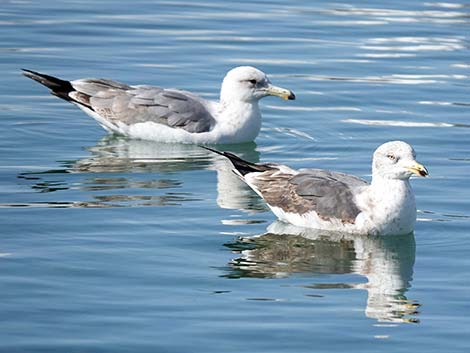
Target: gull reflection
x=386 y=262
x=126 y=173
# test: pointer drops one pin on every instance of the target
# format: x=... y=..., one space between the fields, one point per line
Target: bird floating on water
x=171 y=115
x=322 y=199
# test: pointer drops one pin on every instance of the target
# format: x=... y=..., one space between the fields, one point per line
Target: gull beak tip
x=419 y=170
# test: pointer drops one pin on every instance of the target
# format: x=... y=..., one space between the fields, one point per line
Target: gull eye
x=392 y=157
x=253 y=82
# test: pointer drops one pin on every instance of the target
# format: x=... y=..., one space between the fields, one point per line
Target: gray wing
x=329 y=194
x=120 y=103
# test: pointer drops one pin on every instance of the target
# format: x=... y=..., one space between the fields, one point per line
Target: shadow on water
x=126 y=173
x=386 y=262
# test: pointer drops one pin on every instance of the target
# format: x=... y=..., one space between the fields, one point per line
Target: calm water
x=110 y=245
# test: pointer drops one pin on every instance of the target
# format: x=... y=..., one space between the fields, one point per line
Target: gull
x=322 y=199
x=171 y=115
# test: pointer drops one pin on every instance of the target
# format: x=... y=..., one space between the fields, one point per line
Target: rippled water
x=131 y=246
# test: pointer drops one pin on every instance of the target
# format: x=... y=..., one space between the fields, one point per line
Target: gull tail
x=58 y=87
x=242 y=167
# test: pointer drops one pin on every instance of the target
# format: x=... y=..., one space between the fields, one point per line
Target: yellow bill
x=418 y=169
x=280 y=92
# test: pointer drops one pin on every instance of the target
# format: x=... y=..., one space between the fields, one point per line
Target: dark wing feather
x=241 y=166
x=329 y=194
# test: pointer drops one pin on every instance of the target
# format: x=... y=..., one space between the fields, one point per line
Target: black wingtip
x=60 y=88
x=212 y=150
x=242 y=167
x=29 y=73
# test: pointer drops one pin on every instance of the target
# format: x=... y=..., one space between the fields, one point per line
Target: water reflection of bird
x=386 y=262
x=122 y=172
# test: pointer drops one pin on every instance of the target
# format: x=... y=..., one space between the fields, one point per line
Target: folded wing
x=329 y=194
x=120 y=103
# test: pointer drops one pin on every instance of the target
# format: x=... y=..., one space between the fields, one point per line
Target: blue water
x=110 y=245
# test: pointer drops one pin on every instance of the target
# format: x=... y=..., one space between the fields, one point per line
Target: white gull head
x=238 y=118
x=396 y=160
x=388 y=204
x=248 y=84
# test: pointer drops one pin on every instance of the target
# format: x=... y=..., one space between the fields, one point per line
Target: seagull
x=171 y=115
x=327 y=200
